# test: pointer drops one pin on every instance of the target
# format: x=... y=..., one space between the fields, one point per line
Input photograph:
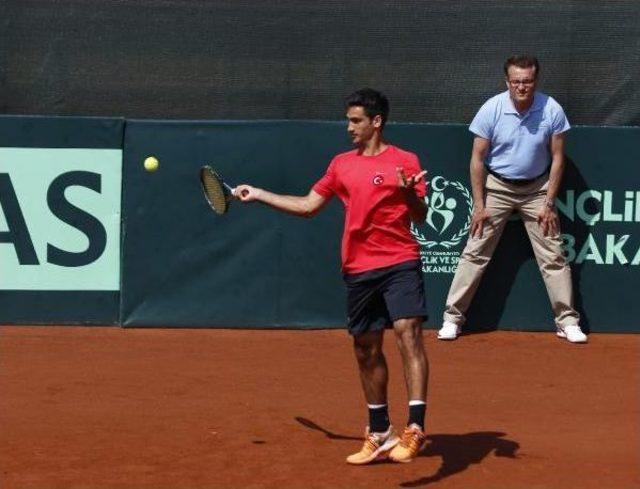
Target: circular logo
x=378 y=179
x=449 y=209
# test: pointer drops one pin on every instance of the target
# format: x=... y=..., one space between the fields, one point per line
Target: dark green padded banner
x=183 y=265
x=60 y=188
x=255 y=267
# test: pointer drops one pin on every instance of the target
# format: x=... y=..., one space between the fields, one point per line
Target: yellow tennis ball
x=151 y=163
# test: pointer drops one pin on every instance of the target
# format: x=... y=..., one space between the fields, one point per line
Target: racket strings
x=215 y=192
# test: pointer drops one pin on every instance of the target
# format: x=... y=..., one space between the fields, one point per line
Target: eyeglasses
x=516 y=83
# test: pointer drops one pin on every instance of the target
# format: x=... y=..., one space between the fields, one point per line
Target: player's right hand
x=246 y=193
x=477 y=222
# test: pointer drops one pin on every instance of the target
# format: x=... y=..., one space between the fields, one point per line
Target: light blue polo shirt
x=519 y=142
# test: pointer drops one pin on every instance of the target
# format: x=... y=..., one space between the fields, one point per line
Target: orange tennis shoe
x=412 y=441
x=376 y=447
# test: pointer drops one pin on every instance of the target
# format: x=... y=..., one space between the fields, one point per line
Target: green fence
x=180 y=265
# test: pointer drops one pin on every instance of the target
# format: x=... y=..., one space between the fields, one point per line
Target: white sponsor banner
x=60 y=218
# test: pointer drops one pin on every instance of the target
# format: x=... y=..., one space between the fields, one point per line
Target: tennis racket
x=218 y=194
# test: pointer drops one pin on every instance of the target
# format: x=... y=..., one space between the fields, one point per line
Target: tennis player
x=382 y=188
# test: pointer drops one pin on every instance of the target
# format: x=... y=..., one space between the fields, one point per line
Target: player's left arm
x=407 y=183
x=548 y=215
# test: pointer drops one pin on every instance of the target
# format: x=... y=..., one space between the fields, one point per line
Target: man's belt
x=516 y=181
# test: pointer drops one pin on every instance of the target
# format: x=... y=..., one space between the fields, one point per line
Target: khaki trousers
x=501 y=200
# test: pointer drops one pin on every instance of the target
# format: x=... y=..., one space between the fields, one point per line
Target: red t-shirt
x=376 y=225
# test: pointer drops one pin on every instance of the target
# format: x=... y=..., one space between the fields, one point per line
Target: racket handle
x=230 y=188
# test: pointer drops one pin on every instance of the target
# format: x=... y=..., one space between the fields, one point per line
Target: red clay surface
x=116 y=408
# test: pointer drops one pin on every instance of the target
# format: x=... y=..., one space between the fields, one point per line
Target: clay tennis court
x=156 y=408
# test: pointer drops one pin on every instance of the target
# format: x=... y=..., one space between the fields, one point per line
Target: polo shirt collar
x=537 y=104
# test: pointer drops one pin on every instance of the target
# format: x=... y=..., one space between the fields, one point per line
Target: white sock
x=376 y=406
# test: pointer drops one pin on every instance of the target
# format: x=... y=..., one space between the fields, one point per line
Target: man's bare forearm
x=291 y=204
x=557 y=166
x=478 y=174
x=304 y=206
x=555 y=178
x=417 y=206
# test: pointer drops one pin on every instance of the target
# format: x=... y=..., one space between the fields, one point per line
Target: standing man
x=382 y=188
x=517 y=163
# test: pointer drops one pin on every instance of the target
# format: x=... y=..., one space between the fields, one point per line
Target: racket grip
x=230 y=188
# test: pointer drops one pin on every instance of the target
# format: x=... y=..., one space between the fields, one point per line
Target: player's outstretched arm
x=304 y=206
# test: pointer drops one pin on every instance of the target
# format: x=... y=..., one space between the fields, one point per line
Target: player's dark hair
x=522 y=61
x=373 y=102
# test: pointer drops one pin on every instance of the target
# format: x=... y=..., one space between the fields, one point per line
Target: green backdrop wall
x=184 y=266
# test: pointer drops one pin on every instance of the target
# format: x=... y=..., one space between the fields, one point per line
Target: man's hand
x=411 y=181
x=417 y=206
x=548 y=220
x=477 y=222
x=246 y=193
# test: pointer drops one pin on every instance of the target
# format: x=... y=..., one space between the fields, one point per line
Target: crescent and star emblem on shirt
x=378 y=179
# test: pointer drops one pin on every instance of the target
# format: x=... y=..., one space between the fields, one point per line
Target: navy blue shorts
x=376 y=298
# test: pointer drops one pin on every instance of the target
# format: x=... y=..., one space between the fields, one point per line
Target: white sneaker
x=573 y=334
x=449 y=331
